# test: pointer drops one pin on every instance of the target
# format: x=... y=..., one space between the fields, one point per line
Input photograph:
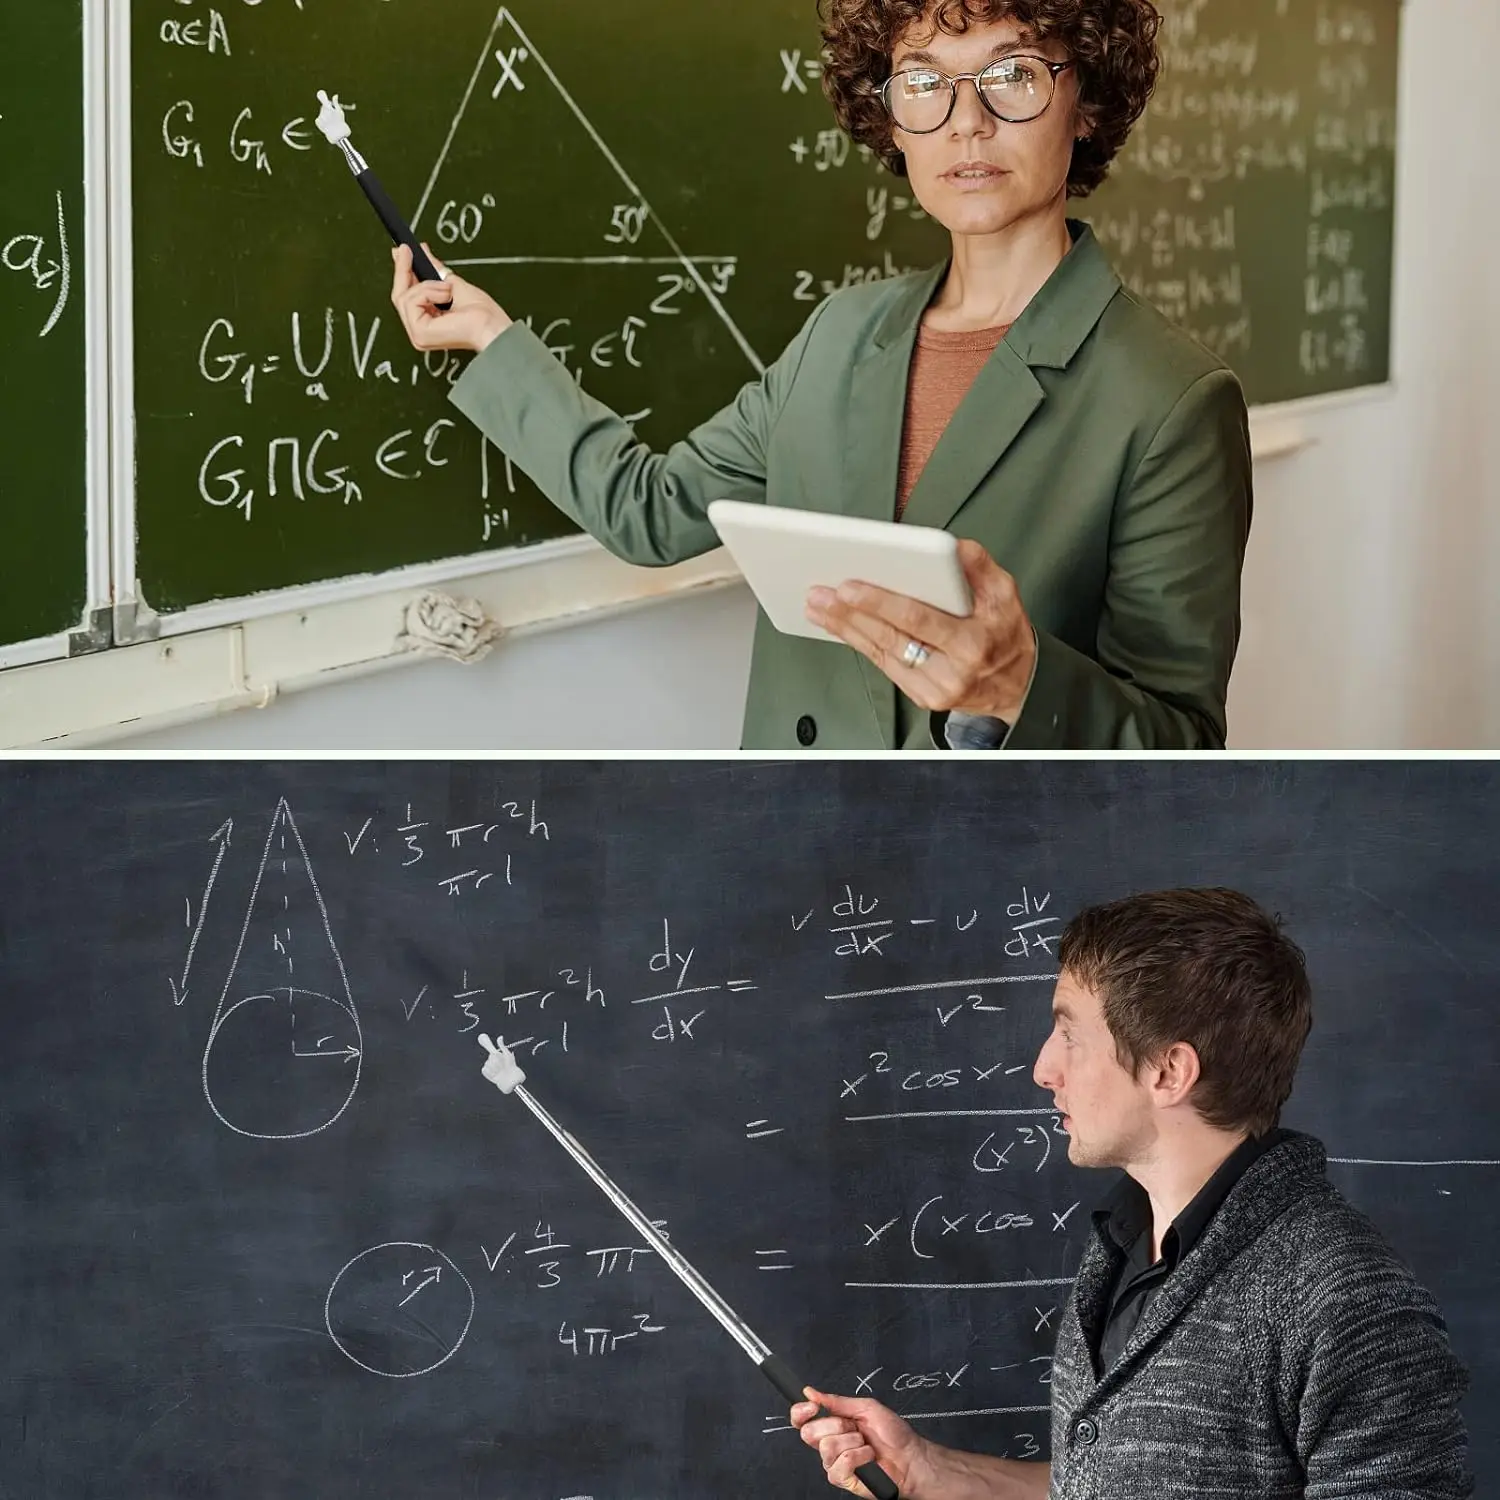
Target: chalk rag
x=440 y=625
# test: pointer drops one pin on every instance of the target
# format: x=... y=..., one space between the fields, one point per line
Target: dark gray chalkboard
x=239 y=1060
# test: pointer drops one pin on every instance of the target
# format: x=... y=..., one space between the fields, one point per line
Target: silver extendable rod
x=502 y=1070
x=357 y=163
x=678 y=1263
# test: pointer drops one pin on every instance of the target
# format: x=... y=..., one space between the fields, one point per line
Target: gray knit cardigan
x=1291 y=1354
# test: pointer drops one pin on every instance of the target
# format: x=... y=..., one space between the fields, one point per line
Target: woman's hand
x=979 y=665
x=449 y=314
x=856 y=1431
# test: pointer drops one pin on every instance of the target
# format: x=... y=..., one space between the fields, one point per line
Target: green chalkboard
x=1255 y=202
x=657 y=187
x=43 y=464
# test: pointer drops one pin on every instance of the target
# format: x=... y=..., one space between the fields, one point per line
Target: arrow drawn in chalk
x=432 y=1273
x=220 y=835
x=347 y=1053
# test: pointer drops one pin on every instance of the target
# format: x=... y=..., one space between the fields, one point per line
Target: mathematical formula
x=1210 y=128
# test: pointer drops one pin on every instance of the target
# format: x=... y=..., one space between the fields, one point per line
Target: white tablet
x=784 y=553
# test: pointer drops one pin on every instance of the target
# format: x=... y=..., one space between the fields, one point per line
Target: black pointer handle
x=871 y=1475
x=397 y=227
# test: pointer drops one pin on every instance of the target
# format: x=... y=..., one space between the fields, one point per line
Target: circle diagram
x=399 y=1309
x=282 y=1065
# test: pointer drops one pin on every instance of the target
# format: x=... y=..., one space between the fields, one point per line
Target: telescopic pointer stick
x=335 y=128
x=503 y=1071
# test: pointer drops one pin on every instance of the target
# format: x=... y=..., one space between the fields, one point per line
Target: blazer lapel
x=877 y=405
x=990 y=418
x=1007 y=393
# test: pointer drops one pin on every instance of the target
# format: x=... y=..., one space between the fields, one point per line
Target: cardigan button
x=1085 y=1432
x=807 y=730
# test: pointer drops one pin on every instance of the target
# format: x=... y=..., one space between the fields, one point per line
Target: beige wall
x=1373 y=583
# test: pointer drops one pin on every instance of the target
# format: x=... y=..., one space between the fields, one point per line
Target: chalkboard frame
x=92 y=632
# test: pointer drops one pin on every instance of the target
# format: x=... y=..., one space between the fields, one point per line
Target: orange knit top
x=943 y=367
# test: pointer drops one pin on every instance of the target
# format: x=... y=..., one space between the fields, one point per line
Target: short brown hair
x=1111 y=42
x=1206 y=967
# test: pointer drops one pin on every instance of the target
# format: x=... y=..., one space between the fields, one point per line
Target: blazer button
x=1085 y=1432
x=807 y=730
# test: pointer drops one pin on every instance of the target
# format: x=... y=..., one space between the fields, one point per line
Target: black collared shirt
x=1125 y=1218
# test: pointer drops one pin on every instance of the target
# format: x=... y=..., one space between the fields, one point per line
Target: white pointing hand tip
x=331 y=119
x=500 y=1066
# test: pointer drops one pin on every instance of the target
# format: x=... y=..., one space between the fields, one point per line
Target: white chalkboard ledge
x=244 y=653
x=248 y=662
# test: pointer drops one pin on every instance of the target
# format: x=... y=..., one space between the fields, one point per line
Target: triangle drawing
x=524 y=179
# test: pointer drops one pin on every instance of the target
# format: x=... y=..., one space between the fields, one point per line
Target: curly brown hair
x=1111 y=42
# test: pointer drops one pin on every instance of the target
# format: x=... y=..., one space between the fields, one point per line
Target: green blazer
x=1102 y=457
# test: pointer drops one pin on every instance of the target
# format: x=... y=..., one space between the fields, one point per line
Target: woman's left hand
x=981 y=664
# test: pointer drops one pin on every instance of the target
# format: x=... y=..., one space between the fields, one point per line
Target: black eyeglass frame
x=1054 y=69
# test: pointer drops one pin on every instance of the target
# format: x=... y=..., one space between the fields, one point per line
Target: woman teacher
x=1094 y=458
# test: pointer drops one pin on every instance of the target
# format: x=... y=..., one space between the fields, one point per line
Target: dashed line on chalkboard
x=944 y=984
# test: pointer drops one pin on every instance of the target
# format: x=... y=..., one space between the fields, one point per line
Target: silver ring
x=916 y=654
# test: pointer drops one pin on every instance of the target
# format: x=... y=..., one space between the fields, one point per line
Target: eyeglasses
x=1015 y=89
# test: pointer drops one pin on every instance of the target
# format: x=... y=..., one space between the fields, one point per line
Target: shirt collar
x=1125 y=1213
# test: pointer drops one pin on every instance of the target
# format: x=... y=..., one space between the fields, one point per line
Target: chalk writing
x=286 y=1003
x=599 y=1263
x=679 y=1017
x=41 y=257
x=461 y=856
x=1221 y=119
x=599 y=1341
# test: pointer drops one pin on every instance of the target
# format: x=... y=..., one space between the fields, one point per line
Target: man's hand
x=858 y=1431
x=979 y=665
x=449 y=314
